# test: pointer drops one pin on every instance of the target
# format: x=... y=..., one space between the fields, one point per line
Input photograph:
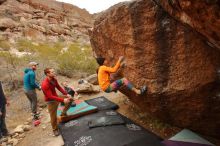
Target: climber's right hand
x=121 y=58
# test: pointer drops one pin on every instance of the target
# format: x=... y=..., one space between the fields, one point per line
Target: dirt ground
x=19 y=112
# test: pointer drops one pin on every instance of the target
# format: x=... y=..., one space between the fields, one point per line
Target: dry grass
x=67 y=59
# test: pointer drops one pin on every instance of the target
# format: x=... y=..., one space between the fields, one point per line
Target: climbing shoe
x=56 y=133
x=143 y=90
x=36 y=122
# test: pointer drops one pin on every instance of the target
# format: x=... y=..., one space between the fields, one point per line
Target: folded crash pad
x=77 y=133
x=187 y=138
x=181 y=143
x=81 y=109
x=102 y=103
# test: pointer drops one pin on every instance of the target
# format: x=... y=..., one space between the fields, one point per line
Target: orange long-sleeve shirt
x=104 y=75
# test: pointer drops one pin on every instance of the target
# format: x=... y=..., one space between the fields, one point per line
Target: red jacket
x=48 y=88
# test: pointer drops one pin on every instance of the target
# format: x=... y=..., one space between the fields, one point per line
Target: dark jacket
x=70 y=91
x=2 y=96
x=29 y=80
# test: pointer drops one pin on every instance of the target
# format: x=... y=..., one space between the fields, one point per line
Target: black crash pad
x=102 y=103
x=77 y=133
x=107 y=120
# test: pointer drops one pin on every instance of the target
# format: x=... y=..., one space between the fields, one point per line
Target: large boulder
x=175 y=61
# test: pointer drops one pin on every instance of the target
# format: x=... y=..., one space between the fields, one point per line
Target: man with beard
x=48 y=87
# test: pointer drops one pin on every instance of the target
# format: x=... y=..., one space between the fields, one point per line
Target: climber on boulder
x=104 y=77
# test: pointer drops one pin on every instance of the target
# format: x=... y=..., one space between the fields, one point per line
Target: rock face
x=203 y=16
x=178 y=62
x=43 y=20
x=2 y=1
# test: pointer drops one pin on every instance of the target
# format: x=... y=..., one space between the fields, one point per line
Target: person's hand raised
x=121 y=58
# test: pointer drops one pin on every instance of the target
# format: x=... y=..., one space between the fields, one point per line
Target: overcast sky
x=93 y=6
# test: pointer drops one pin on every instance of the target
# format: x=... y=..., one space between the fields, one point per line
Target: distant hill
x=43 y=20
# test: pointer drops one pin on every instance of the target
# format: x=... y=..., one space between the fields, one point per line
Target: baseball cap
x=33 y=63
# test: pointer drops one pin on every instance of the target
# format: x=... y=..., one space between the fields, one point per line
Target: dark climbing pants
x=32 y=97
x=3 y=128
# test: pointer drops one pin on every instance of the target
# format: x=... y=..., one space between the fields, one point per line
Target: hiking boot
x=73 y=104
x=56 y=133
x=143 y=90
x=35 y=117
x=4 y=134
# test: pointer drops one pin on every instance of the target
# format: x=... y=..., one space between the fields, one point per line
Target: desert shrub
x=76 y=59
x=5 y=45
x=25 y=45
x=49 y=51
x=11 y=59
x=12 y=71
x=67 y=60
